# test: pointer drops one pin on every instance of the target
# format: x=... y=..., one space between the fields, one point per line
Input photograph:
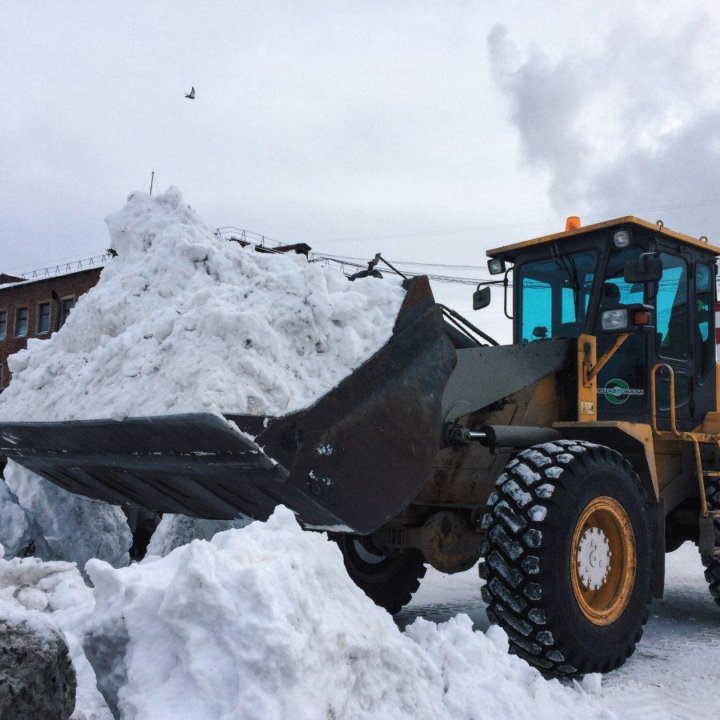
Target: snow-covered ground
x=675 y=671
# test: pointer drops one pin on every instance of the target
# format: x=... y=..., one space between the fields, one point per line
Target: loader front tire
x=568 y=557
x=388 y=581
x=712 y=564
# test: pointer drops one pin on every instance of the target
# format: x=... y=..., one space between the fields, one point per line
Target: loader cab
x=563 y=283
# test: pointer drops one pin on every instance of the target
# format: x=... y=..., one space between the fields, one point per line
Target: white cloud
x=629 y=126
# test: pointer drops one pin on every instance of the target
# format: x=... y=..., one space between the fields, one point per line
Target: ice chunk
x=75 y=528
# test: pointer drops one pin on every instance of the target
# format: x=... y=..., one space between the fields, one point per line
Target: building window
x=21 y=322
x=67 y=305
x=3 y=324
x=43 y=318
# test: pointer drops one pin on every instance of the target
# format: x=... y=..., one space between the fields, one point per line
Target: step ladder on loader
x=709 y=434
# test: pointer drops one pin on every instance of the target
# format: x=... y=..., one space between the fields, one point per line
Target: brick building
x=36 y=308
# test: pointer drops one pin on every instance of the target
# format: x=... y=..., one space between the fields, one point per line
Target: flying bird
x=191 y=94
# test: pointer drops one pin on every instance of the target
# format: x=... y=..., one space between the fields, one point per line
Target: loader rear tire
x=712 y=565
x=568 y=557
x=388 y=581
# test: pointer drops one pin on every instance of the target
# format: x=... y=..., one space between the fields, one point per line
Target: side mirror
x=643 y=270
x=481 y=298
x=627 y=319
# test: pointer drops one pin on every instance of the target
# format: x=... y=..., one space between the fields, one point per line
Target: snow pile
x=43 y=594
x=30 y=584
x=264 y=623
x=184 y=321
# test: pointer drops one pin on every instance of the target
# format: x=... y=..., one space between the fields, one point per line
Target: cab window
x=554 y=295
x=673 y=319
x=704 y=311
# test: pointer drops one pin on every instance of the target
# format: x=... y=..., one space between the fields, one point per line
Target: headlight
x=614 y=320
x=496 y=266
x=621 y=238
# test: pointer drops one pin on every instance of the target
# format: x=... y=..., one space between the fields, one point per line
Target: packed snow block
x=76 y=529
x=20 y=534
x=37 y=679
x=176 y=530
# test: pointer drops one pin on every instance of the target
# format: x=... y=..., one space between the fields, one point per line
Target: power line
x=452 y=279
x=413 y=263
x=356 y=262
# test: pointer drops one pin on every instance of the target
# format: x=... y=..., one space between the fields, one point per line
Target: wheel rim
x=603 y=561
x=366 y=555
x=366 y=563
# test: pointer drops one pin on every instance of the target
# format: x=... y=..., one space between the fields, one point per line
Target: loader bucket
x=349 y=462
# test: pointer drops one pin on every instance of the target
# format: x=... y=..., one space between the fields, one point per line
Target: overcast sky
x=428 y=130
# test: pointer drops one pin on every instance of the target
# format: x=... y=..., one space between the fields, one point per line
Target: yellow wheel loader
x=568 y=462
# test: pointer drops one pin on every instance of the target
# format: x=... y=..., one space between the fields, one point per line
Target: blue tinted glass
x=703 y=288
x=537 y=309
x=554 y=295
x=672 y=308
x=704 y=313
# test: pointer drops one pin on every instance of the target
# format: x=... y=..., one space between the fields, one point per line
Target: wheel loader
x=568 y=463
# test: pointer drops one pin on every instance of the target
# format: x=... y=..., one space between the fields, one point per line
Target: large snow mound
x=184 y=321
x=264 y=622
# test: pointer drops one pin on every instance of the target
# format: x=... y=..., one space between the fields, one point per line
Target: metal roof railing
x=96 y=261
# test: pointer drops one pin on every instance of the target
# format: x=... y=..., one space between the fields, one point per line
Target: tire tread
x=537 y=473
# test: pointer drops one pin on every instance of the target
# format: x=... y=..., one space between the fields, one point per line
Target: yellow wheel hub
x=603 y=561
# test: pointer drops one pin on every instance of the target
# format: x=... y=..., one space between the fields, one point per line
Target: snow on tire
x=568 y=606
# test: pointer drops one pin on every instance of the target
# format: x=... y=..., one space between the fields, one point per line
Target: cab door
x=622 y=385
x=685 y=336
x=673 y=346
